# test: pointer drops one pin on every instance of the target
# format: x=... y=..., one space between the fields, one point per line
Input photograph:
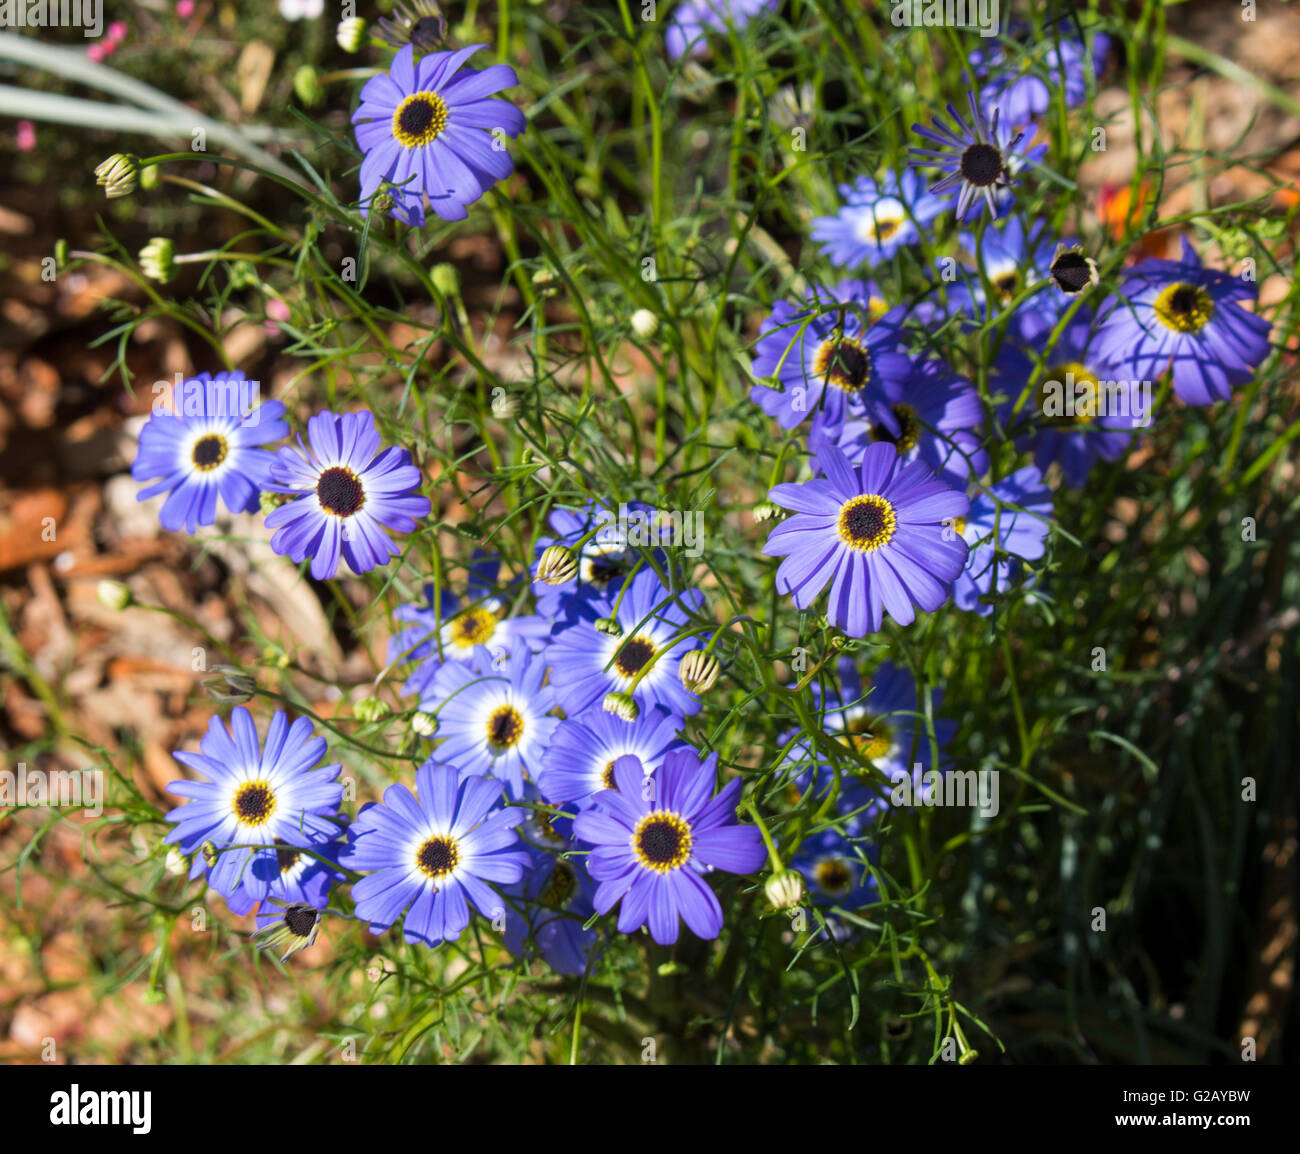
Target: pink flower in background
x=276 y=311
x=117 y=31
x=25 y=131
x=185 y=9
x=96 y=52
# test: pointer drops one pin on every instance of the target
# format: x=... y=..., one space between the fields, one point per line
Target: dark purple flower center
x=1071 y=272
x=437 y=857
x=254 y=802
x=867 y=522
x=505 y=727
x=340 y=492
x=301 y=919
x=981 y=164
x=662 y=841
x=843 y=363
x=909 y=430
x=286 y=857
x=209 y=451
x=419 y=119
x=561 y=887
x=833 y=875
x=633 y=656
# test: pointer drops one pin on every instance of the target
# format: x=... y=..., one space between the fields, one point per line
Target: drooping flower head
x=980 y=158
x=934 y=417
x=348 y=494
x=492 y=715
x=692 y=19
x=432 y=131
x=254 y=796
x=877 y=219
x=1007 y=523
x=641 y=660
x=204 y=444
x=1180 y=316
x=656 y=837
x=1077 y=409
x=828 y=354
x=876 y=533
x=433 y=853
x=579 y=761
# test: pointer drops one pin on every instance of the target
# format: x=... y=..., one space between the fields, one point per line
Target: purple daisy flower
x=549 y=909
x=203 y=443
x=1007 y=523
x=259 y=796
x=434 y=853
x=650 y=851
x=934 y=418
x=1073 y=410
x=1182 y=316
x=980 y=158
x=433 y=130
x=834 y=865
x=492 y=715
x=579 y=760
x=828 y=354
x=877 y=533
x=587 y=664
x=349 y=494
x=1020 y=77
x=692 y=19
x=877 y=219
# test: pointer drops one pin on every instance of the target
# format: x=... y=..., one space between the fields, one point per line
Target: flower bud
x=231 y=685
x=445 y=279
x=698 y=671
x=621 y=705
x=557 y=566
x=609 y=627
x=645 y=323
x=765 y=511
x=784 y=889
x=372 y=709
x=424 y=724
x=158 y=260
x=176 y=863
x=307 y=85
x=149 y=176
x=351 y=34
x=114 y=595
x=119 y=174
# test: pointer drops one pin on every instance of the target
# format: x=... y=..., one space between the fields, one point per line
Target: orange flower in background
x=1119 y=212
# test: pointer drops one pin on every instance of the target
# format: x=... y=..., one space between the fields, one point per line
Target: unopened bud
x=350 y=34
x=557 y=565
x=784 y=889
x=119 y=174
x=445 y=279
x=765 y=511
x=609 y=627
x=114 y=595
x=425 y=724
x=698 y=671
x=158 y=260
x=231 y=686
x=645 y=323
x=372 y=709
x=307 y=85
x=621 y=705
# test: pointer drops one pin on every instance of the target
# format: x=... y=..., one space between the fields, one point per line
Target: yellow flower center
x=871 y=737
x=867 y=522
x=420 y=119
x=473 y=627
x=1184 y=308
x=438 y=856
x=505 y=728
x=1078 y=399
x=662 y=841
x=254 y=803
x=909 y=430
x=833 y=875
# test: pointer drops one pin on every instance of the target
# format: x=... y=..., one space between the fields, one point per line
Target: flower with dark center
x=877 y=219
x=270 y=798
x=419 y=23
x=1007 y=525
x=493 y=715
x=650 y=853
x=433 y=854
x=876 y=533
x=342 y=478
x=1181 y=317
x=580 y=758
x=548 y=910
x=642 y=660
x=204 y=443
x=1072 y=271
x=293 y=929
x=978 y=158
x=431 y=130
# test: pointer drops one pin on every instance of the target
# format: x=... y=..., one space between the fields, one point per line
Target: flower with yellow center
x=867 y=523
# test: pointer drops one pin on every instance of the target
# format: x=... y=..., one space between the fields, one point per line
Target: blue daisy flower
x=349 y=493
x=1007 y=523
x=877 y=219
x=548 y=910
x=650 y=852
x=444 y=627
x=834 y=866
x=206 y=443
x=296 y=880
x=980 y=158
x=1180 y=316
x=579 y=761
x=433 y=129
x=934 y=417
x=692 y=19
x=254 y=796
x=586 y=664
x=829 y=354
x=1074 y=410
x=877 y=533
x=603 y=554
x=492 y=715
x=433 y=853
x=1019 y=80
